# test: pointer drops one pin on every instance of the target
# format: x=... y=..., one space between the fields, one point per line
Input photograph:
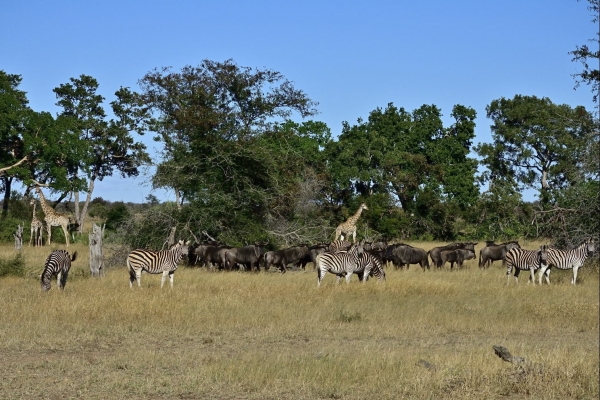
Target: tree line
x=248 y=162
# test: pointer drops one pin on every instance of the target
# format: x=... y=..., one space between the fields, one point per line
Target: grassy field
x=271 y=336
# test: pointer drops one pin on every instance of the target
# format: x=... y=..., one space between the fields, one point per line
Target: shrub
x=14 y=266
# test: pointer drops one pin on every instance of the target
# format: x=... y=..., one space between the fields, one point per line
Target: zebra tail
x=74 y=256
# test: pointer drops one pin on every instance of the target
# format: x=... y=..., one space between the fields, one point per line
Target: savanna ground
x=271 y=336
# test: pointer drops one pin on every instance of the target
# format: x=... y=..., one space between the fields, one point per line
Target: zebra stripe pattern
x=375 y=267
x=156 y=262
x=338 y=245
x=343 y=263
x=567 y=259
x=521 y=259
x=58 y=263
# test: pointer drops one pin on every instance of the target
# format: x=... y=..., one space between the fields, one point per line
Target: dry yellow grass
x=272 y=336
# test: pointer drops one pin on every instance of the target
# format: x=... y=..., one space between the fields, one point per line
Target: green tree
x=35 y=146
x=409 y=157
x=537 y=144
x=110 y=146
x=588 y=56
x=216 y=122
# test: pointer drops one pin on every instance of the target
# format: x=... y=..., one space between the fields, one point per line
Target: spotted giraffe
x=348 y=227
x=37 y=228
x=53 y=218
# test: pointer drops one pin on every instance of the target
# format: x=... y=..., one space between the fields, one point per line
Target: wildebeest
x=457 y=256
x=403 y=255
x=313 y=252
x=494 y=252
x=284 y=257
x=435 y=253
x=211 y=254
x=247 y=256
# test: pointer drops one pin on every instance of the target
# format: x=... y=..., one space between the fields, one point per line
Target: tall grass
x=271 y=336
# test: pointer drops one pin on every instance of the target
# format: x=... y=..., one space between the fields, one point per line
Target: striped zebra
x=522 y=259
x=376 y=268
x=156 y=262
x=343 y=263
x=567 y=259
x=338 y=245
x=58 y=263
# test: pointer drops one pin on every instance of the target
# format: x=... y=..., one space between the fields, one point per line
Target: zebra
x=522 y=259
x=338 y=245
x=58 y=263
x=156 y=262
x=376 y=268
x=343 y=263
x=567 y=259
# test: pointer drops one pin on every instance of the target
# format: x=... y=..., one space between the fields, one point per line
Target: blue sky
x=349 y=56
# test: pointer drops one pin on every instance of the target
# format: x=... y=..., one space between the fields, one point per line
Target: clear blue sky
x=349 y=56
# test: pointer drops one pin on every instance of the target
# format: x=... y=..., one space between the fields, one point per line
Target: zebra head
x=181 y=249
x=590 y=246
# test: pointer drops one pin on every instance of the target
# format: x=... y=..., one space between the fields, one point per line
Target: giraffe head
x=363 y=206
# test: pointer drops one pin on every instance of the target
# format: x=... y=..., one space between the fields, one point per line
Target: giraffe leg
x=66 y=232
x=49 y=228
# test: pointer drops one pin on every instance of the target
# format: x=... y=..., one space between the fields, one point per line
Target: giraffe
x=53 y=218
x=349 y=227
x=36 y=228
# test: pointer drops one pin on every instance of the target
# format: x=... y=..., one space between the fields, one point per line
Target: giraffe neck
x=356 y=216
x=45 y=207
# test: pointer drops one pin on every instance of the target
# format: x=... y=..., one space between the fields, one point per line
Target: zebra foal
x=343 y=263
x=567 y=259
x=156 y=262
x=58 y=263
x=521 y=259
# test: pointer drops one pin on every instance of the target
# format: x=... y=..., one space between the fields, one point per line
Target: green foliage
x=536 y=143
x=589 y=57
x=8 y=226
x=117 y=215
x=14 y=266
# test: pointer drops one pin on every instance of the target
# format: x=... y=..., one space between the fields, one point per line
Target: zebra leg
x=59 y=280
x=574 y=275
x=63 y=280
x=531 y=276
x=348 y=277
x=164 y=278
x=517 y=272
x=542 y=273
x=171 y=274
x=508 y=273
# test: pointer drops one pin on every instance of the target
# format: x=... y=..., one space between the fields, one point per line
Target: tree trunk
x=18 y=237
x=7 y=185
x=96 y=256
x=86 y=205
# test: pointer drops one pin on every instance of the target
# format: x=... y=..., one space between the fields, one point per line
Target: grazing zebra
x=58 y=263
x=522 y=259
x=343 y=263
x=156 y=262
x=567 y=259
x=376 y=267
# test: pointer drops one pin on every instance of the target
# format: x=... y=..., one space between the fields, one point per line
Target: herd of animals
x=340 y=257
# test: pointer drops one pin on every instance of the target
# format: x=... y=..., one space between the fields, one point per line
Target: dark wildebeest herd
x=214 y=255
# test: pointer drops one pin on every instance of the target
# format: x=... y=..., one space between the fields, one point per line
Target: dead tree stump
x=18 y=237
x=96 y=255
